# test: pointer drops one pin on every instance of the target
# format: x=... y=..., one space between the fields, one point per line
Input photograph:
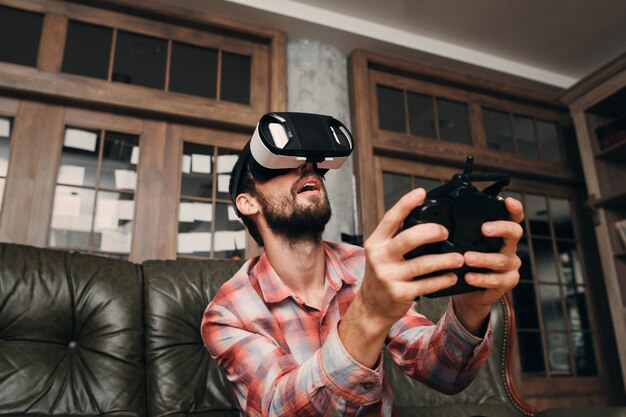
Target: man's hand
x=473 y=308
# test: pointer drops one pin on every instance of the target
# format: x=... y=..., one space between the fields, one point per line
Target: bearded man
x=300 y=329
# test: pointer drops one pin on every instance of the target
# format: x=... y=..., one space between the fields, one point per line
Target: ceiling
x=553 y=43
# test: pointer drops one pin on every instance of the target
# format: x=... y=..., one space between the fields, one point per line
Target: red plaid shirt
x=284 y=358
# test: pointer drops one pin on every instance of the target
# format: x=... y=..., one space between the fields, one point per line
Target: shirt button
x=368 y=386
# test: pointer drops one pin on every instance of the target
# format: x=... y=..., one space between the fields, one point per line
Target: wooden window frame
x=404 y=153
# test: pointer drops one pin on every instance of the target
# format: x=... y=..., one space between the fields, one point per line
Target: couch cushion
x=70 y=334
x=181 y=376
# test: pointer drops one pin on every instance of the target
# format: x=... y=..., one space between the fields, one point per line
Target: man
x=300 y=329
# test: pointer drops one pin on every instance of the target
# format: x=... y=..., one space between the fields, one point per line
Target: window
x=522 y=135
x=94 y=198
x=156 y=62
x=23 y=28
x=208 y=226
x=5 y=136
x=399 y=109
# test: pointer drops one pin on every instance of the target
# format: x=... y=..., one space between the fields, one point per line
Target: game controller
x=462 y=209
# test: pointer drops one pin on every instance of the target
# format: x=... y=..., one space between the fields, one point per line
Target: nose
x=307 y=166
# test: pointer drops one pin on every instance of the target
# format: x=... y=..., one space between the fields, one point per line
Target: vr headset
x=284 y=141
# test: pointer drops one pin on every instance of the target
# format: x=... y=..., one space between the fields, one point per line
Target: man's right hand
x=389 y=287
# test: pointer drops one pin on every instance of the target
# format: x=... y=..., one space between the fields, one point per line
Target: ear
x=247 y=204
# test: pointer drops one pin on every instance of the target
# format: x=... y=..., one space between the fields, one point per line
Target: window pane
x=525 y=306
x=498 y=130
x=571 y=272
x=193 y=70
x=197 y=169
x=5 y=134
x=561 y=218
x=394 y=187
x=226 y=160
x=453 y=121
x=230 y=234
x=72 y=216
x=79 y=160
x=553 y=318
x=577 y=308
x=194 y=228
x=425 y=183
x=87 y=50
x=140 y=60
x=531 y=352
x=544 y=260
x=113 y=226
x=20 y=32
x=536 y=209
x=525 y=136
x=583 y=354
x=235 y=85
x=558 y=353
x=391 y=109
x=549 y=141
x=119 y=161
x=421 y=115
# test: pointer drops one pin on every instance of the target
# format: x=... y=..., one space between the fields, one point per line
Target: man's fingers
x=415 y=236
x=393 y=218
x=515 y=208
x=493 y=261
x=502 y=282
x=425 y=286
x=428 y=264
x=509 y=231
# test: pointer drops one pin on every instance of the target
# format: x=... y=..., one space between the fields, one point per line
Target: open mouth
x=309 y=185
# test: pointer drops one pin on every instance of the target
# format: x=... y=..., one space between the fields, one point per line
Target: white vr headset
x=284 y=141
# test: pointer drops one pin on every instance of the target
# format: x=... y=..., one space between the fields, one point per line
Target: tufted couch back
x=87 y=335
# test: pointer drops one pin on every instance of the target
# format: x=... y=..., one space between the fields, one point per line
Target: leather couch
x=83 y=335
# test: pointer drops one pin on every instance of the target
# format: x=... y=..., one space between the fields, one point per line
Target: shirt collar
x=273 y=288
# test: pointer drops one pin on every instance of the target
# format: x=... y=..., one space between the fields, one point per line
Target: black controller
x=462 y=209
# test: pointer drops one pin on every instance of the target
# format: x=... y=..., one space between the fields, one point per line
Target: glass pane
x=549 y=141
x=230 y=234
x=525 y=306
x=577 y=308
x=583 y=354
x=226 y=160
x=235 y=84
x=119 y=161
x=536 y=210
x=5 y=134
x=552 y=308
x=558 y=353
x=87 y=50
x=421 y=115
x=113 y=226
x=2 y=180
x=72 y=216
x=571 y=272
x=425 y=183
x=394 y=187
x=523 y=252
x=20 y=32
x=140 y=60
x=391 y=109
x=561 y=218
x=531 y=351
x=525 y=136
x=544 y=260
x=197 y=169
x=498 y=130
x=194 y=228
x=193 y=70
x=453 y=121
x=79 y=160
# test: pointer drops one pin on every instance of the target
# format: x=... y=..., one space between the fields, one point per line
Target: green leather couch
x=82 y=335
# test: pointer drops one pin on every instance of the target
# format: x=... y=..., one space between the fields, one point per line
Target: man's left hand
x=473 y=308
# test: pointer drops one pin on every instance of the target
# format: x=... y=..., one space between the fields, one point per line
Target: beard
x=301 y=223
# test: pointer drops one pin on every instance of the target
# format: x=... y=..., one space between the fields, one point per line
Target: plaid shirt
x=284 y=358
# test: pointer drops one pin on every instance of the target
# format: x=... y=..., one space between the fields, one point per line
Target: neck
x=301 y=265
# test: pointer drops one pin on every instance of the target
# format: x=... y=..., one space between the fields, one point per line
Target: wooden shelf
x=616 y=153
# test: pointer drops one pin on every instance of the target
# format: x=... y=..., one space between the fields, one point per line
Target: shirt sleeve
x=443 y=356
x=268 y=381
